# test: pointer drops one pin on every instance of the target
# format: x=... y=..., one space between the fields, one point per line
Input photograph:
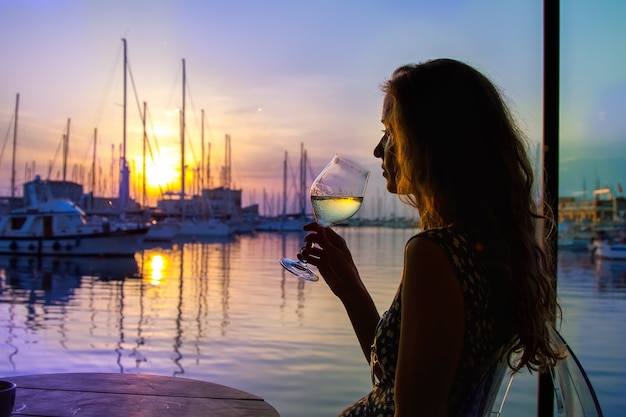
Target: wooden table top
x=137 y=395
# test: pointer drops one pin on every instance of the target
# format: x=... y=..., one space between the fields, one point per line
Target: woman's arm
x=334 y=261
x=431 y=332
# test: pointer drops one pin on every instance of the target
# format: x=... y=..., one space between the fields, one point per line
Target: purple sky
x=275 y=74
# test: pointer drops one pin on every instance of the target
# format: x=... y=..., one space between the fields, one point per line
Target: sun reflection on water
x=157 y=265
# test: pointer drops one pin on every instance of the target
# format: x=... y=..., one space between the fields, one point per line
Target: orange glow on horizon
x=161 y=174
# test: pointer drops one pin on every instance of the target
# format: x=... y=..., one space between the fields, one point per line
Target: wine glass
x=336 y=195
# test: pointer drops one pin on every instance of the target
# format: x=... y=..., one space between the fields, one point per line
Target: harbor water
x=226 y=312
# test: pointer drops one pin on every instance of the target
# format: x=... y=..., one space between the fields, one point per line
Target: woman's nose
x=378 y=150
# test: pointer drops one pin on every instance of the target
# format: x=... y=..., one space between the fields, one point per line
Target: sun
x=162 y=174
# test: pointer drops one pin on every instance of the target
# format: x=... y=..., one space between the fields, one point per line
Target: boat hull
x=608 y=250
x=162 y=231
x=201 y=229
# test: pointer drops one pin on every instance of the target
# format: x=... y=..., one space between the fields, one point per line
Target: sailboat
x=122 y=206
x=291 y=222
x=192 y=221
x=224 y=202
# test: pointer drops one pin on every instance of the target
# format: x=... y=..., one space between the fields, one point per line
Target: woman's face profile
x=386 y=149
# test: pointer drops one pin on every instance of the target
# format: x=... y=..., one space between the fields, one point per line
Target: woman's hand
x=329 y=253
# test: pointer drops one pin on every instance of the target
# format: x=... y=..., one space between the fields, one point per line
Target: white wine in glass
x=329 y=210
x=336 y=195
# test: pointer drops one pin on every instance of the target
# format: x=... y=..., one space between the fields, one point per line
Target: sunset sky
x=274 y=74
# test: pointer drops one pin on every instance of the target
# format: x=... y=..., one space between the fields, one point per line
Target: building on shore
x=603 y=208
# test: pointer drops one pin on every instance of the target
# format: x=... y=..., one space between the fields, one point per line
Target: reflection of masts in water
x=288 y=277
x=120 y=310
x=283 y=296
x=92 y=309
x=200 y=269
x=225 y=286
x=300 y=282
x=140 y=340
x=178 y=339
x=301 y=299
x=47 y=277
x=9 y=340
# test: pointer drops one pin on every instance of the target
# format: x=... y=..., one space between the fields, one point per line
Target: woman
x=476 y=286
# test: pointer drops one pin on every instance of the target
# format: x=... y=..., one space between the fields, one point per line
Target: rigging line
x=6 y=138
x=139 y=107
x=156 y=143
x=294 y=186
x=187 y=132
x=100 y=109
x=132 y=82
x=237 y=175
x=208 y=125
x=235 y=167
x=210 y=157
x=208 y=132
x=101 y=105
x=193 y=105
x=174 y=84
x=149 y=149
x=188 y=137
x=88 y=153
x=195 y=113
x=56 y=153
x=80 y=138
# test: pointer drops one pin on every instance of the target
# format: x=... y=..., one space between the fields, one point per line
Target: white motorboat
x=575 y=236
x=609 y=250
x=49 y=226
x=162 y=231
x=203 y=228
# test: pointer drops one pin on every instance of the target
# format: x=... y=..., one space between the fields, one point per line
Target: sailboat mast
x=227 y=161
x=124 y=177
x=66 y=139
x=182 y=140
x=285 y=187
x=17 y=105
x=208 y=167
x=302 y=180
x=145 y=139
x=124 y=119
x=93 y=166
x=202 y=158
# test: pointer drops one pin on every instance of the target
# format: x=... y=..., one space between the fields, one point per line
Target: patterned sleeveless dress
x=480 y=342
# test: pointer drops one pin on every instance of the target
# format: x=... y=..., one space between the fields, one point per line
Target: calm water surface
x=226 y=312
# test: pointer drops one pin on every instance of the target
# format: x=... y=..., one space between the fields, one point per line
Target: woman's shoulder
x=443 y=236
x=460 y=246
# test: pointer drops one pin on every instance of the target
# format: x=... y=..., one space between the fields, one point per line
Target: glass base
x=299 y=269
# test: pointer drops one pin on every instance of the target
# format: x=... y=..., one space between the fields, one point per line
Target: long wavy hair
x=462 y=161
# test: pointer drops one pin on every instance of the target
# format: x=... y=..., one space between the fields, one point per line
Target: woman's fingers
x=323 y=236
x=327 y=250
x=311 y=255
